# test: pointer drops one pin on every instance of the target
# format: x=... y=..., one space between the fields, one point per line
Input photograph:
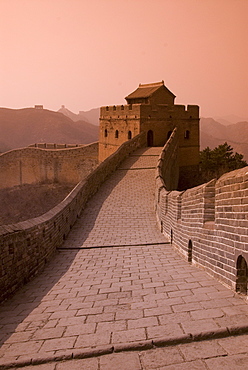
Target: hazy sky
x=89 y=53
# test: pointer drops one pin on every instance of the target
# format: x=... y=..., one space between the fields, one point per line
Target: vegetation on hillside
x=213 y=133
x=214 y=163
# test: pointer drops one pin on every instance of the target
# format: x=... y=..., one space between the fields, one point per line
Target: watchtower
x=151 y=108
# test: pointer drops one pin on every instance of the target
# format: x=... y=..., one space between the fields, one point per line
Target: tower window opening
x=105 y=132
x=116 y=134
x=186 y=134
x=129 y=135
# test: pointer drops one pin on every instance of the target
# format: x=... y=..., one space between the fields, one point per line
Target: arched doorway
x=150 y=138
x=190 y=250
x=242 y=275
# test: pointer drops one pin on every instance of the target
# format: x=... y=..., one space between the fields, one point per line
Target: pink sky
x=89 y=53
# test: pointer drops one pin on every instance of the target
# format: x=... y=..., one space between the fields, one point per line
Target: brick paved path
x=122 y=212
x=131 y=287
x=219 y=354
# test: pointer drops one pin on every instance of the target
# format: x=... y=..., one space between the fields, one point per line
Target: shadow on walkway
x=104 y=222
x=88 y=217
x=30 y=300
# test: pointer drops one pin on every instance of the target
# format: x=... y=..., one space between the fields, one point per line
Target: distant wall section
x=33 y=165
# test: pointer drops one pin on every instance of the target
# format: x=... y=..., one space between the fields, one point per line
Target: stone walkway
x=115 y=282
x=219 y=354
x=122 y=212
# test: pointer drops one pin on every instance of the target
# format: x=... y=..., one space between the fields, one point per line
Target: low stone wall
x=55 y=146
x=26 y=246
x=208 y=224
x=34 y=165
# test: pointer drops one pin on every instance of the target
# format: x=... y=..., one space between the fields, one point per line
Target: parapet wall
x=35 y=165
x=162 y=111
x=115 y=110
x=55 y=146
x=168 y=166
x=207 y=224
x=26 y=246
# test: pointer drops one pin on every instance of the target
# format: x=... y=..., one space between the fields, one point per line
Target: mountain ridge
x=26 y=126
x=213 y=133
x=22 y=127
x=90 y=116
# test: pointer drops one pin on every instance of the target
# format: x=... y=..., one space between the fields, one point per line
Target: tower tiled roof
x=146 y=90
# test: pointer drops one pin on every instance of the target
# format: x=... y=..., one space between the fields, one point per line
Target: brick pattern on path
x=218 y=354
x=122 y=212
x=137 y=290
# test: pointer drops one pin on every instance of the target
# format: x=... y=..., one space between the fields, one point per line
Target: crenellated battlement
x=208 y=222
x=120 y=111
x=55 y=146
x=161 y=111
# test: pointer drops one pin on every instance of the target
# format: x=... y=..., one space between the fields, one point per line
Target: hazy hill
x=214 y=133
x=22 y=127
x=230 y=119
x=66 y=112
x=91 y=116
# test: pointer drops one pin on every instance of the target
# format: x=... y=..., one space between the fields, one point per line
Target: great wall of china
x=34 y=165
x=28 y=245
x=207 y=224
